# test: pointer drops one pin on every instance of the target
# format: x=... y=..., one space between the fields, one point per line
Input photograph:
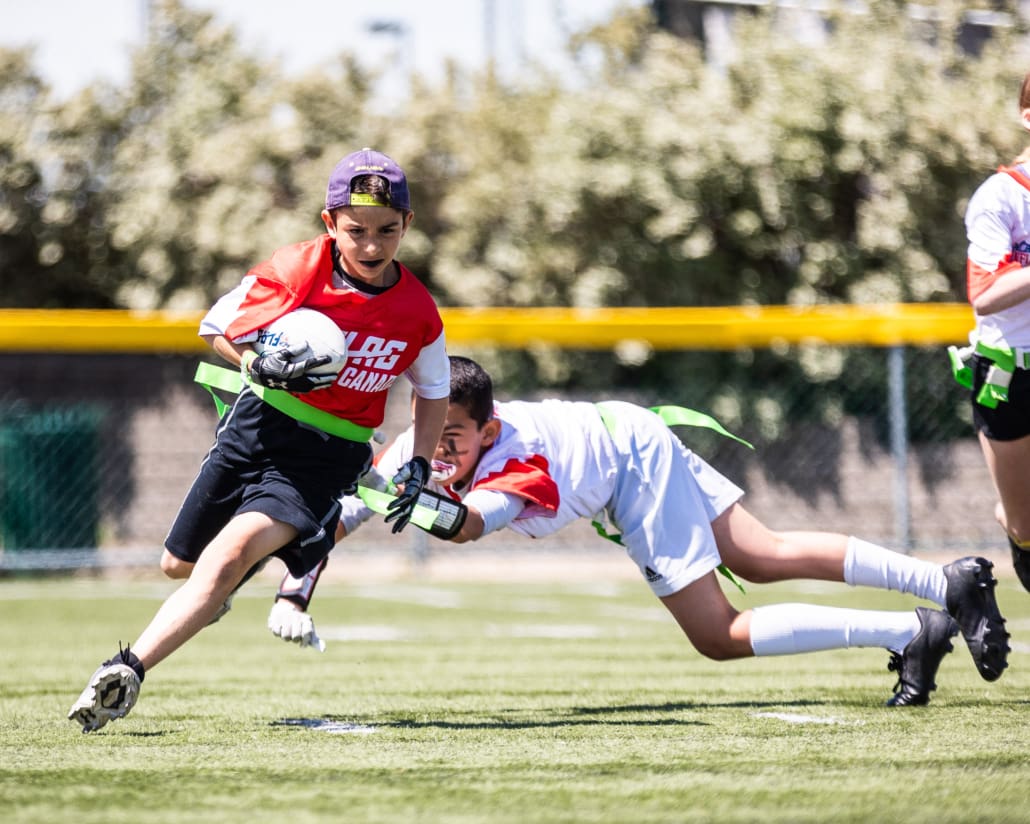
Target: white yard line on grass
x=797 y=718
x=547 y=631
x=365 y=633
x=420 y=596
x=657 y=614
x=326 y=725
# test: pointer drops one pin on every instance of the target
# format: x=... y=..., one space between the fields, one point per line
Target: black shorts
x=265 y=461
x=1010 y=420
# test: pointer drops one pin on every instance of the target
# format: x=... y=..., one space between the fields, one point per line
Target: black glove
x=414 y=475
x=281 y=370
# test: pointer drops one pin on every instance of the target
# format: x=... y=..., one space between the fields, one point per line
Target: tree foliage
x=799 y=172
x=224 y=162
x=55 y=242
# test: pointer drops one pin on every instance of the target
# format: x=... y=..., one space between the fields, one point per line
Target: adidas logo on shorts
x=652 y=576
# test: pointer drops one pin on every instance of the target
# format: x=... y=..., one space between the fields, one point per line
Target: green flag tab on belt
x=377 y=501
x=213 y=377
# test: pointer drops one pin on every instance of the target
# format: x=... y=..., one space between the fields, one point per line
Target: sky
x=79 y=41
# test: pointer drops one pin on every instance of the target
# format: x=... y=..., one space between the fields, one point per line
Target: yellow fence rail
x=923 y=324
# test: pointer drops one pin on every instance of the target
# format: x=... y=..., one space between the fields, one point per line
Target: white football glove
x=289 y=623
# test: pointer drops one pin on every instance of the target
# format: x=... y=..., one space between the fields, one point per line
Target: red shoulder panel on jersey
x=1016 y=175
x=978 y=278
x=528 y=479
x=282 y=283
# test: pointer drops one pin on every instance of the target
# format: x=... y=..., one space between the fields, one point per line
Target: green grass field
x=470 y=702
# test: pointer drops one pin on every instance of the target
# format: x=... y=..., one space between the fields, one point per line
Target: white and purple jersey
x=998 y=229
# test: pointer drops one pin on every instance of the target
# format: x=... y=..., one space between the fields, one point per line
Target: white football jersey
x=998 y=229
x=561 y=460
x=555 y=455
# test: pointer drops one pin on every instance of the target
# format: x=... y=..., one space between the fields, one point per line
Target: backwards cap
x=366 y=162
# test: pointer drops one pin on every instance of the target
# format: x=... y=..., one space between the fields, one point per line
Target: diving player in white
x=535 y=467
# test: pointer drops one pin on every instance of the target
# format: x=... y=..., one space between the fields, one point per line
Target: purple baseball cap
x=366 y=162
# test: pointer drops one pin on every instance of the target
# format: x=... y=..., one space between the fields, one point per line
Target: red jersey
x=386 y=332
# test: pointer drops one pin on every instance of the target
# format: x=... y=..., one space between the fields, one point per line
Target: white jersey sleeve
x=993 y=220
x=998 y=229
x=497 y=509
x=226 y=310
x=430 y=374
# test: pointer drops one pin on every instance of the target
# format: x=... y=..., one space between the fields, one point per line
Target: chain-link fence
x=97 y=451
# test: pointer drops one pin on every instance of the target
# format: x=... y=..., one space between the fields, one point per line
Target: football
x=318 y=331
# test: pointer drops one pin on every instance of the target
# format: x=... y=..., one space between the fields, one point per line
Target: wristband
x=300 y=590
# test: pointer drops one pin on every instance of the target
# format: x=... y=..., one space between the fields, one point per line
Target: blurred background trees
x=801 y=173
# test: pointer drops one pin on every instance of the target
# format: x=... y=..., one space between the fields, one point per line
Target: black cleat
x=1021 y=563
x=971 y=602
x=917 y=664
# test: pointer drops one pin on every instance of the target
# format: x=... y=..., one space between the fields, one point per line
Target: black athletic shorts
x=265 y=461
x=1011 y=419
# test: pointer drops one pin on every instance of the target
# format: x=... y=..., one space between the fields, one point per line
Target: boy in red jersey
x=293 y=442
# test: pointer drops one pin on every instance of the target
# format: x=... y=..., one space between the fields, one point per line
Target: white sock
x=786 y=629
x=869 y=565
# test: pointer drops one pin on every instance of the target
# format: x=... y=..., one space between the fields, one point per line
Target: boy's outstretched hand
x=288 y=622
x=414 y=475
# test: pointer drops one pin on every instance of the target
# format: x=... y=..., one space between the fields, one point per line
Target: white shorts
x=665 y=500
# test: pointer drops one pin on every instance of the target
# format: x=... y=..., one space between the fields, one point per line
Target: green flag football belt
x=434 y=513
x=1004 y=362
x=213 y=377
x=672 y=416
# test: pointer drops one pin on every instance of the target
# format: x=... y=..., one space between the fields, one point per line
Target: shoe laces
x=896 y=664
x=123 y=654
x=127 y=657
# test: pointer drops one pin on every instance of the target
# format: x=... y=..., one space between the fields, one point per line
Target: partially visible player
x=536 y=467
x=294 y=442
x=996 y=365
